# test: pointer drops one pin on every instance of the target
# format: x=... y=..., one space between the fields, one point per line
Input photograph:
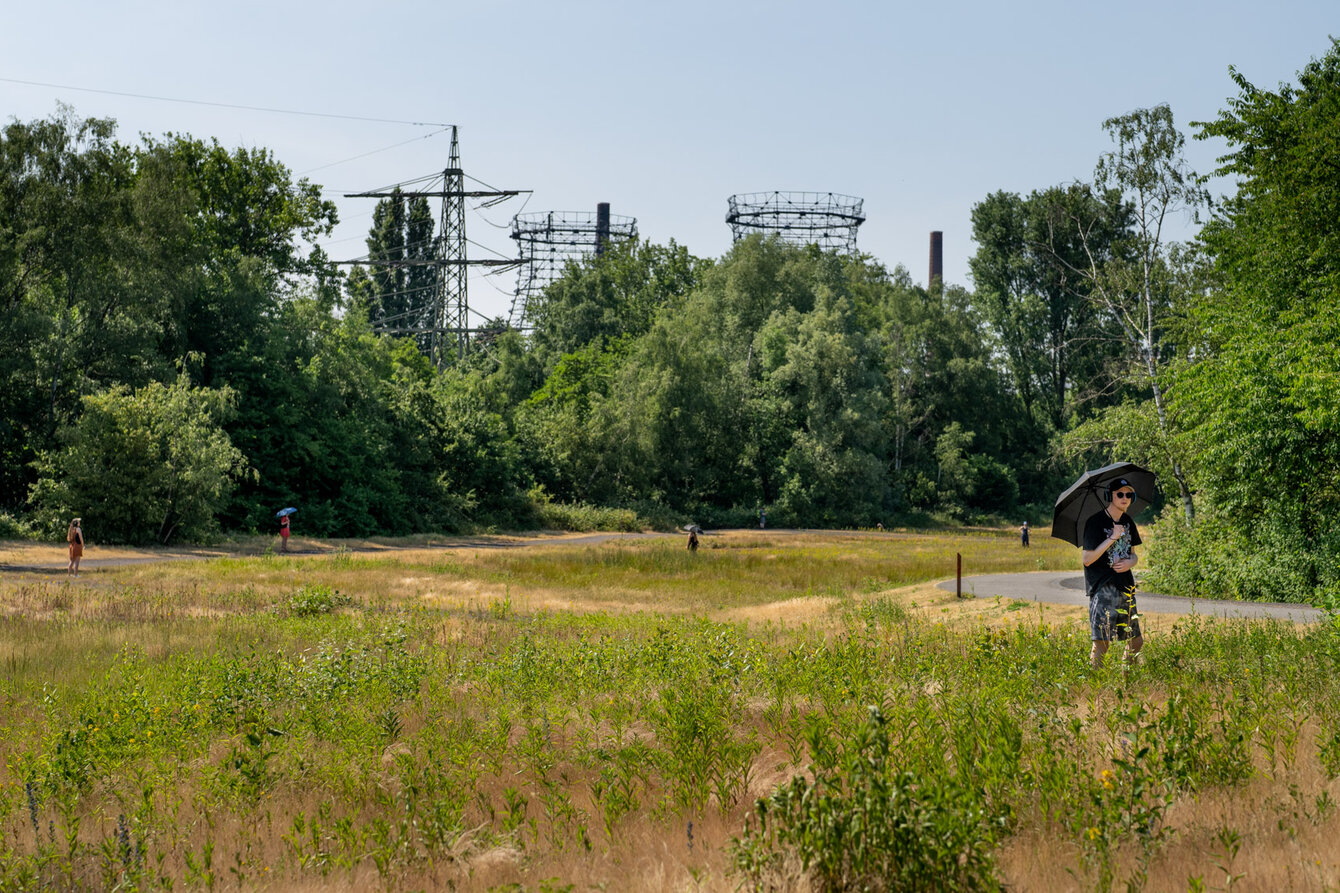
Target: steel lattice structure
x=826 y=219
x=547 y=241
x=449 y=326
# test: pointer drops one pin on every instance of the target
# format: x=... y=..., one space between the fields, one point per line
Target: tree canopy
x=176 y=360
x=1258 y=388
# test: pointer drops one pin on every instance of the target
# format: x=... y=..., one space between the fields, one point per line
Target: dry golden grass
x=773 y=581
x=1284 y=844
x=733 y=572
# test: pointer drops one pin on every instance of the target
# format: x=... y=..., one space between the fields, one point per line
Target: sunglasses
x=1124 y=494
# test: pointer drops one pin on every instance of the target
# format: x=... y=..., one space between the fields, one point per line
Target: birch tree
x=1139 y=287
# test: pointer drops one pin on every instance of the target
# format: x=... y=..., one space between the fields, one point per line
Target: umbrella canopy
x=693 y=528
x=282 y=512
x=1084 y=498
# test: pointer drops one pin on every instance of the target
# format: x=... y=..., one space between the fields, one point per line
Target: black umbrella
x=1085 y=497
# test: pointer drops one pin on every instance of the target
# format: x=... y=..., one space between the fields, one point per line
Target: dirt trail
x=25 y=558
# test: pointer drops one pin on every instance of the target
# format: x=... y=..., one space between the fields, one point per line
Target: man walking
x=1110 y=538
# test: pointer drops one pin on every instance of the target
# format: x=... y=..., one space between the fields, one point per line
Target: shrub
x=12 y=528
x=315 y=599
x=580 y=516
x=864 y=824
x=153 y=465
x=1268 y=559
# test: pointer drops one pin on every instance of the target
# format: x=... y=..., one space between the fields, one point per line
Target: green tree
x=1038 y=304
x=459 y=462
x=242 y=254
x=88 y=267
x=1258 y=388
x=152 y=465
x=611 y=295
x=940 y=370
x=315 y=420
x=1137 y=287
x=774 y=383
x=400 y=250
x=391 y=305
x=831 y=388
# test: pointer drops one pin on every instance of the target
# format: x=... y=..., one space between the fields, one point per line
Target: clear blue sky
x=664 y=109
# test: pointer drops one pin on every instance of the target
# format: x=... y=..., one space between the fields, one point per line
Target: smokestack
x=602 y=227
x=937 y=259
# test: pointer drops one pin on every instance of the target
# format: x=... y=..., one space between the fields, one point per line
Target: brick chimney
x=937 y=259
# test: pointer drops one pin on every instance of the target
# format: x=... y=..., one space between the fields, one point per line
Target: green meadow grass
x=313 y=730
x=736 y=570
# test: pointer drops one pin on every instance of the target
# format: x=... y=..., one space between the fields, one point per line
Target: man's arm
x=1089 y=556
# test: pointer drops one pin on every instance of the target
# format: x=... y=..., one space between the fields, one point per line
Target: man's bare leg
x=1133 y=647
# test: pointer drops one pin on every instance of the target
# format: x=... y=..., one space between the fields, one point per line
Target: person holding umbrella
x=284 y=526
x=1095 y=515
x=1110 y=538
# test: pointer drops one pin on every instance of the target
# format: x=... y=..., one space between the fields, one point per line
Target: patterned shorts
x=1112 y=614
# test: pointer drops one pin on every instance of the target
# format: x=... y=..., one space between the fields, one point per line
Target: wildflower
x=1093 y=832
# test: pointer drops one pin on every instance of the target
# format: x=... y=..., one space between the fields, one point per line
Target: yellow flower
x=1093 y=833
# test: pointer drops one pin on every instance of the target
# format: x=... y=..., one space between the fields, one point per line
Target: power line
x=223 y=105
x=426 y=136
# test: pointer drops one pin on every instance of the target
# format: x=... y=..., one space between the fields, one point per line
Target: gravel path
x=1067 y=588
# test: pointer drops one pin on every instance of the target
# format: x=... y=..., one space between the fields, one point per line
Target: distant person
x=879 y=525
x=1023 y=535
x=283 y=533
x=1110 y=538
x=762 y=519
x=693 y=541
x=74 y=536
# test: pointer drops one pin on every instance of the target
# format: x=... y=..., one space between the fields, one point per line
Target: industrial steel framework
x=450 y=317
x=826 y=219
x=547 y=241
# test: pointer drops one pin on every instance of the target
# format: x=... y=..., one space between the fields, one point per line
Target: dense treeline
x=175 y=361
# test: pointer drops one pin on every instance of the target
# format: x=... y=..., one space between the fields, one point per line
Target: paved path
x=1067 y=588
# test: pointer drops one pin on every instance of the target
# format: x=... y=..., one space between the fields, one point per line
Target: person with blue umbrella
x=284 y=527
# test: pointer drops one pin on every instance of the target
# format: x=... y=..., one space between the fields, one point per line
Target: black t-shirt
x=1096 y=531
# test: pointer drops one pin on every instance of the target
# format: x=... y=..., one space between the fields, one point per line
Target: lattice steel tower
x=450 y=300
x=548 y=240
x=826 y=219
